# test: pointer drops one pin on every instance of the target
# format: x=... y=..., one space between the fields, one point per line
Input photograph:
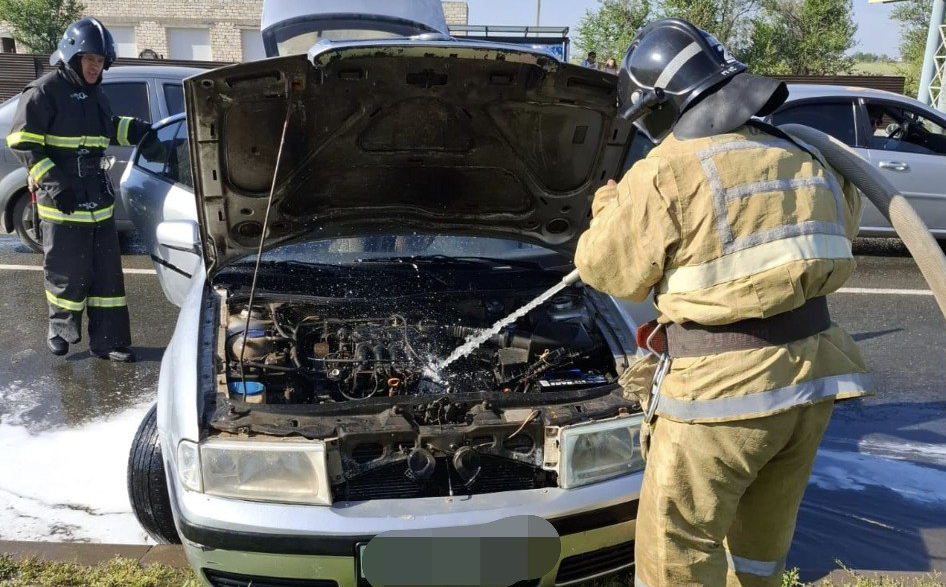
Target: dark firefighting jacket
x=60 y=132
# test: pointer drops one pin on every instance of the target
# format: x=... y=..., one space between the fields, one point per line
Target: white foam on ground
x=837 y=470
x=68 y=484
x=921 y=452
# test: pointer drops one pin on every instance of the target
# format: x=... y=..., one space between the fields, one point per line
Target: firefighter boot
x=57 y=345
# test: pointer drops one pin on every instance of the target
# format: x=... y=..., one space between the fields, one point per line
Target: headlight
x=188 y=464
x=265 y=471
x=600 y=451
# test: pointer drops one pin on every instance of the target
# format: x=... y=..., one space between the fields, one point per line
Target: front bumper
x=256 y=540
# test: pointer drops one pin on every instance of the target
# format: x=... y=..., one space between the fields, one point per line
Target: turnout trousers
x=719 y=500
x=83 y=271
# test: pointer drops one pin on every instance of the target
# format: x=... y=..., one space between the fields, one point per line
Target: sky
x=876 y=32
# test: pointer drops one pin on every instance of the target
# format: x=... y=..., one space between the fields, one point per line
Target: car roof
x=802 y=91
x=172 y=71
x=169 y=120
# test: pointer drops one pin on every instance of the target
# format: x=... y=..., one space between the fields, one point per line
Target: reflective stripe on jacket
x=58 y=120
x=722 y=229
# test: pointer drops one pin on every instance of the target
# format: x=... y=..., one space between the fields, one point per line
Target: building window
x=252 y=45
x=7 y=45
x=192 y=44
x=125 y=44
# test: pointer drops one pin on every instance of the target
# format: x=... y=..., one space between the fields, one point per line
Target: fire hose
x=906 y=222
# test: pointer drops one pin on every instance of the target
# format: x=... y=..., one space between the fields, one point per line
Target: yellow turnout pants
x=719 y=500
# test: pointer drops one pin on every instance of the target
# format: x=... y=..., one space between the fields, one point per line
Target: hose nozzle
x=571 y=278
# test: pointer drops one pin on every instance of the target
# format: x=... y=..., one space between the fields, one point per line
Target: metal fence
x=890 y=83
x=19 y=69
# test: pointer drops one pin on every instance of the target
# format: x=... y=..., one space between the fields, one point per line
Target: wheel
x=147 y=485
x=23 y=223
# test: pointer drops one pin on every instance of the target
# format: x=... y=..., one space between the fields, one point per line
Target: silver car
x=402 y=195
x=147 y=92
x=904 y=138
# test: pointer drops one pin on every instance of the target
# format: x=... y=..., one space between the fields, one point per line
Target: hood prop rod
x=262 y=236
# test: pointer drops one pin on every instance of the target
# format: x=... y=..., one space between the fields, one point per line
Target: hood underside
x=402 y=136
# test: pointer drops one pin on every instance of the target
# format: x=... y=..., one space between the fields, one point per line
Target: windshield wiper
x=284 y=266
x=445 y=260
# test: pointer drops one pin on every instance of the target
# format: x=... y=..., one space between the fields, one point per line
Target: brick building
x=206 y=30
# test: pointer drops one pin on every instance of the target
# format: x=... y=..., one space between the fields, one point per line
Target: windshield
x=344 y=251
x=299 y=37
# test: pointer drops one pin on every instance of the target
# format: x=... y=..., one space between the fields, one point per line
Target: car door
x=157 y=187
x=128 y=97
x=837 y=117
x=909 y=147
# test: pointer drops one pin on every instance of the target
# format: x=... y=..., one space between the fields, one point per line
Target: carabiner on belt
x=663 y=367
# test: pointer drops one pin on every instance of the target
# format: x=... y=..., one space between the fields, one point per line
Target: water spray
x=475 y=340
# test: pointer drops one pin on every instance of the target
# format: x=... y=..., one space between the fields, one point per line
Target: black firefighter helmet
x=85 y=36
x=706 y=90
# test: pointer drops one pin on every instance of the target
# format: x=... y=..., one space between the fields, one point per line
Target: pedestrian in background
x=62 y=126
x=740 y=231
x=610 y=66
x=591 y=60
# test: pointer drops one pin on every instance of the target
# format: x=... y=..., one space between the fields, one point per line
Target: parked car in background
x=901 y=136
x=147 y=92
x=424 y=189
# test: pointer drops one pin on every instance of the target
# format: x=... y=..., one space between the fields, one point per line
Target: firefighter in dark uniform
x=63 y=125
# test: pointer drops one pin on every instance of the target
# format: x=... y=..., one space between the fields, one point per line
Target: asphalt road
x=877 y=498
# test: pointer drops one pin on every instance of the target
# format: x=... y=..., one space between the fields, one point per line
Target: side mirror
x=180 y=235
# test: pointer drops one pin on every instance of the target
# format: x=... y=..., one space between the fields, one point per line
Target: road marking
x=885 y=292
x=40 y=268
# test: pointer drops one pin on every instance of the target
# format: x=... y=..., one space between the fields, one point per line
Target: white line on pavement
x=40 y=268
x=886 y=292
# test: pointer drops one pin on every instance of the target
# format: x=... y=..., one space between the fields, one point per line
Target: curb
x=171 y=555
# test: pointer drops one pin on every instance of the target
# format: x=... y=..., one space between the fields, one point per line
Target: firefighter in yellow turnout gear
x=740 y=231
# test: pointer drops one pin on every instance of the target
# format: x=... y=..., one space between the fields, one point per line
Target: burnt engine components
x=309 y=352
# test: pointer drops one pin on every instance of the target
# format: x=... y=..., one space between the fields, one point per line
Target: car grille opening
x=367 y=452
x=221 y=579
x=583 y=566
x=390 y=482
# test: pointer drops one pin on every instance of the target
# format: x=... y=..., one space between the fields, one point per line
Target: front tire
x=147 y=484
x=23 y=223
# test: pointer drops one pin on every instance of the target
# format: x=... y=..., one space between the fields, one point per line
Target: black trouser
x=84 y=271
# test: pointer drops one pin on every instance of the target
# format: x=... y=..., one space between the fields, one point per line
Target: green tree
x=802 y=37
x=39 y=24
x=914 y=19
x=610 y=28
x=727 y=20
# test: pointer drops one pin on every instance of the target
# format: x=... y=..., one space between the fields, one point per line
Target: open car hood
x=384 y=137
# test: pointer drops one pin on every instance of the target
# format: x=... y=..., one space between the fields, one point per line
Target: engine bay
x=361 y=375
x=304 y=352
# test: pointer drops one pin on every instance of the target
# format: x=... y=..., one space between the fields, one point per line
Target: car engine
x=311 y=353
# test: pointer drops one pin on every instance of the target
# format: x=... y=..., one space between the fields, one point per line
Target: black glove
x=66 y=201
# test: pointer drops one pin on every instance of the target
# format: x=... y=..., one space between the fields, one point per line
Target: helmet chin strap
x=75 y=65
